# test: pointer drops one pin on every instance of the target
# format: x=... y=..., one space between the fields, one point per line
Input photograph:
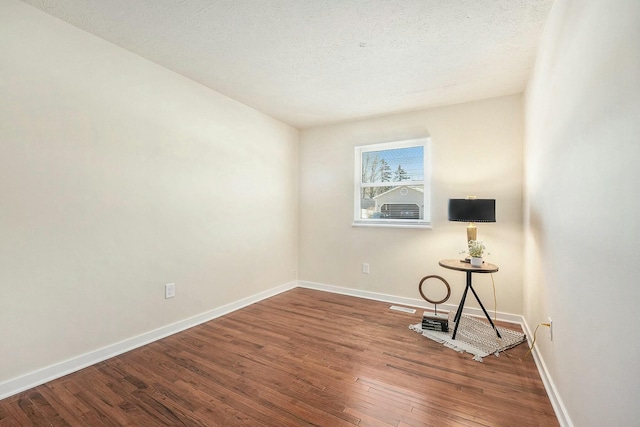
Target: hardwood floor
x=300 y=358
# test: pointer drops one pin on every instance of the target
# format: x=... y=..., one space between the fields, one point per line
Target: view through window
x=391 y=186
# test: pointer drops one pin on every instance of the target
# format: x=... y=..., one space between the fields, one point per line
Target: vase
x=476 y=261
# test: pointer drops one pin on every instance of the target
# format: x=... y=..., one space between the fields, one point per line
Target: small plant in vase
x=476 y=249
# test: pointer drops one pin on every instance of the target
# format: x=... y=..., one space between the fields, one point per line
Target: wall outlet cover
x=169 y=290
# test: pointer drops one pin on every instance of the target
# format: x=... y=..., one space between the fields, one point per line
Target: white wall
x=583 y=204
x=118 y=176
x=476 y=149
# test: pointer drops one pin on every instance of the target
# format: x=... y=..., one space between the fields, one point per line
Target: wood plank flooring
x=301 y=358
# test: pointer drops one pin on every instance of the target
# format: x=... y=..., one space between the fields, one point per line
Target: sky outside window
x=409 y=159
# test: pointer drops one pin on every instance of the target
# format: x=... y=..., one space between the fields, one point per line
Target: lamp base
x=472 y=232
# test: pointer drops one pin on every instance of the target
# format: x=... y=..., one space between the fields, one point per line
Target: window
x=391 y=184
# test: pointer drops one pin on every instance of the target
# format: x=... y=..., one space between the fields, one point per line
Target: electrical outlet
x=169 y=290
x=550 y=328
x=365 y=268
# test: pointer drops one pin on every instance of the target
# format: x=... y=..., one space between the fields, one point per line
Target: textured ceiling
x=314 y=62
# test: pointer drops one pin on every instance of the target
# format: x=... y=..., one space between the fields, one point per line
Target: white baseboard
x=549 y=385
x=49 y=373
x=411 y=302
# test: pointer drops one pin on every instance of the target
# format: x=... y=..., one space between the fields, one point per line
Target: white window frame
x=425 y=222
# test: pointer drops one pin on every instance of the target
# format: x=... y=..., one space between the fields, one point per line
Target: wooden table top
x=456 y=264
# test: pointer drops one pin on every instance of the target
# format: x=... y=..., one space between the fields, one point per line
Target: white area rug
x=474 y=336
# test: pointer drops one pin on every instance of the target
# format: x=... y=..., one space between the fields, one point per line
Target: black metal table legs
x=461 y=306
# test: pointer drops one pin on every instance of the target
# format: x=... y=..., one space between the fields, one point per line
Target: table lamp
x=472 y=210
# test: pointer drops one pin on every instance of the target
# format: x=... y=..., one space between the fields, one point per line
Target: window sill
x=392 y=224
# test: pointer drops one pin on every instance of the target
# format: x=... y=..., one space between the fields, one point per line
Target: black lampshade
x=472 y=210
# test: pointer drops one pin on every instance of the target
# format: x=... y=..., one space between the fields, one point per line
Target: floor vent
x=403 y=309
